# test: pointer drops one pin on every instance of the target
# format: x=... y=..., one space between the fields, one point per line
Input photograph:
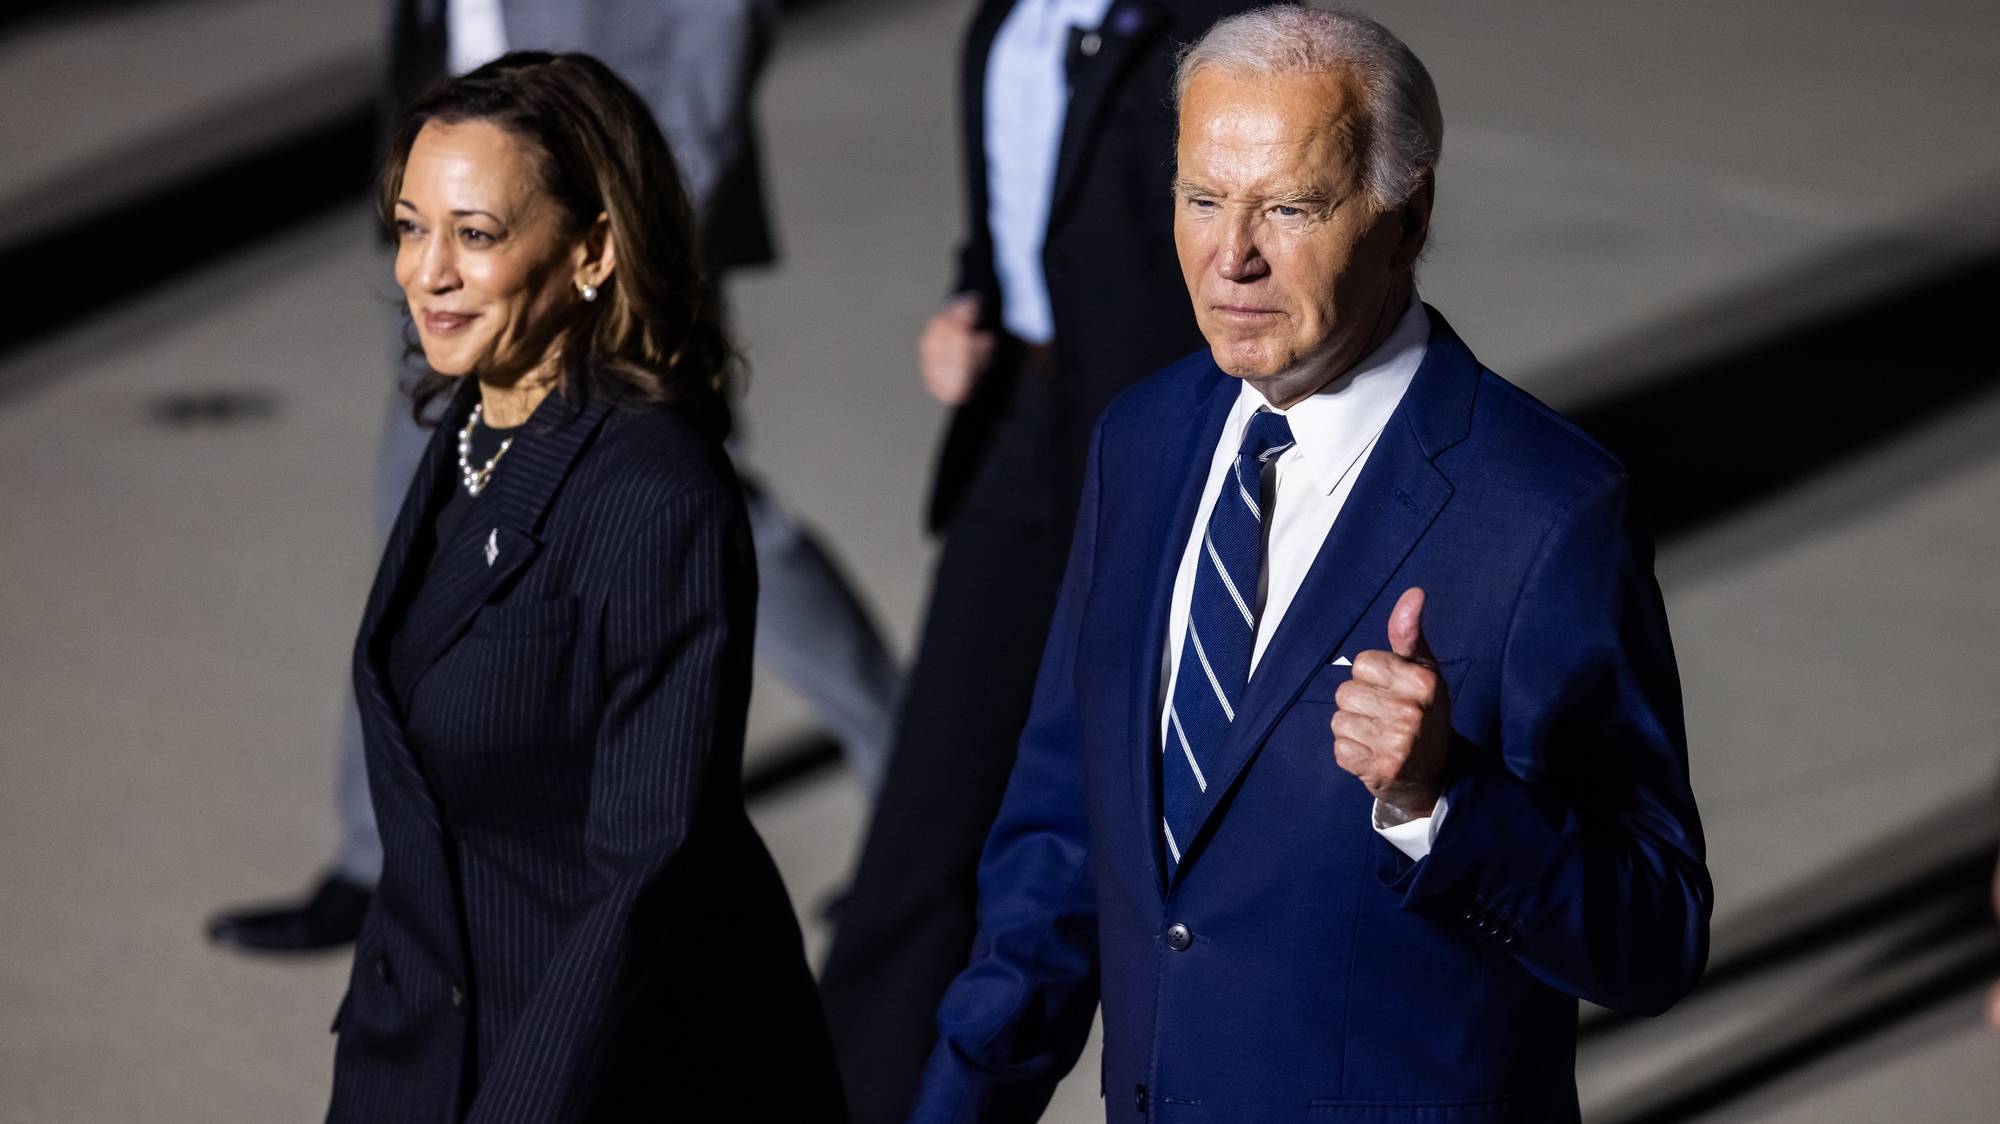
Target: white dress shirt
x=1305 y=487
x=475 y=34
x=1027 y=97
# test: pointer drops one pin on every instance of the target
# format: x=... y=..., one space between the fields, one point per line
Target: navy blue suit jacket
x=1330 y=978
x=575 y=920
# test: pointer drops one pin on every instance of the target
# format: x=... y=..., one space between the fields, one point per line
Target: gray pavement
x=99 y=107
x=1627 y=187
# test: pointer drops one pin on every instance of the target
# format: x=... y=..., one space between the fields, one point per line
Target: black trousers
x=907 y=924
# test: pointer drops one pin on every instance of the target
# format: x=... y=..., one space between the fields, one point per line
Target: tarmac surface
x=1751 y=242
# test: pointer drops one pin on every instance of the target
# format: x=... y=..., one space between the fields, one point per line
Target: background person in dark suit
x=1356 y=756
x=1066 y=293
x=575 y=920
x=695 y=62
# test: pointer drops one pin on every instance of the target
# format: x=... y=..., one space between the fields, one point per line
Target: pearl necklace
x=476 y=478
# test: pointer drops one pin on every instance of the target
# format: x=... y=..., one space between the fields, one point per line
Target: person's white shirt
x=1304 y=488
x=475 y=33
x=1026 y=101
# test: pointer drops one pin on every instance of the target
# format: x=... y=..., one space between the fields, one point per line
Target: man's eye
x=1288 y=212
x=1202 y=204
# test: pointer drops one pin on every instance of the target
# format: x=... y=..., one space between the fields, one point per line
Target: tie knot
x=1266 y=436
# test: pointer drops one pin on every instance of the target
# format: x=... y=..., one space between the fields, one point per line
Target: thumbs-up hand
x=1393 y=728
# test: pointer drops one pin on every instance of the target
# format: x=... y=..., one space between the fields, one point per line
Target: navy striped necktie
x=1222 y=627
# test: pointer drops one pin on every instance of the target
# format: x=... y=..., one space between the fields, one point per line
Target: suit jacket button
x=382 y=968
x=1139 y=1097
x=1178 y=937
x=457 y=996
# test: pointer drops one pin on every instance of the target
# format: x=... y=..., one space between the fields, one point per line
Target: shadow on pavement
x=1725 y=432
x=1715 y=436
x=1955 y=950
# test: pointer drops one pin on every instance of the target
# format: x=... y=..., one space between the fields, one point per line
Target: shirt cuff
x=1412 y=837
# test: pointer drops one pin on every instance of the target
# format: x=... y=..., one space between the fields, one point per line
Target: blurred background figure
x=1067 y=292
x=695 y=62
x=575 y=919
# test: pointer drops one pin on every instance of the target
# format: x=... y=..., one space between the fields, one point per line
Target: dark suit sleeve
x=975 y=275
x=1013 y=1023
x=974 y=272
x=675 y=622
x=1575 y=843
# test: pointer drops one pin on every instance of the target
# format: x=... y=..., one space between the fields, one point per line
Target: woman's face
x=483 y=254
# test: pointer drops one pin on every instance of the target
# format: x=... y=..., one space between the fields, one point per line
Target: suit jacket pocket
x=1322 y=686
x=525 y=618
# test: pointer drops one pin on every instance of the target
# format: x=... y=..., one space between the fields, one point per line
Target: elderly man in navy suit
x=1356 y=756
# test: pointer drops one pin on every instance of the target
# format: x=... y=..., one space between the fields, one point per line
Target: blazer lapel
x=396 y=579
x=1129 y=25
x=496 y=540
x=1395 y=500
x=394 y=584
x=1184 y=455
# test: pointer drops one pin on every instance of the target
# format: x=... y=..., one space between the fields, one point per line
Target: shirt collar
x=1335 y=426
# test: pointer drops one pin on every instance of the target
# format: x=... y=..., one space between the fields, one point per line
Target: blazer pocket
x=1322 y=686
x=526 y=618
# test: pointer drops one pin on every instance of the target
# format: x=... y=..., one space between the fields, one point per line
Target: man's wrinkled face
x=1291 y=267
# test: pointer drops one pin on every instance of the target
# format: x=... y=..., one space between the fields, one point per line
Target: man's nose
x=1238 y=258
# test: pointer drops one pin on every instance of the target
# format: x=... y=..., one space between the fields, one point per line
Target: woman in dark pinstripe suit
x=576 y=920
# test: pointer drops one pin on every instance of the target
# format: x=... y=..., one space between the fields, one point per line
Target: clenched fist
x=953 y=353
x=1393 y=728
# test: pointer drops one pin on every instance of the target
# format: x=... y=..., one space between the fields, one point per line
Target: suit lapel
x=1183 y=455
x=497 y=538
x=1393 y=503
x=1398 y=495
x=1129 y=25
x=394 y=584
x=979 y=36
x=458 y=581
x=396 y=580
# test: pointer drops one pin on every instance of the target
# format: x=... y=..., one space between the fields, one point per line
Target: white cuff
x=1412 y=837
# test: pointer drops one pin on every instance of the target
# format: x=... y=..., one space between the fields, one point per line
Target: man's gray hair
x=1402 y=132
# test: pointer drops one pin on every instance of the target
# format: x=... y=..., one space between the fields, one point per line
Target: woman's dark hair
x=656 y=333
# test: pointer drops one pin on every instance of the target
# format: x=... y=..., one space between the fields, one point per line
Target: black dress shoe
x=330 y=918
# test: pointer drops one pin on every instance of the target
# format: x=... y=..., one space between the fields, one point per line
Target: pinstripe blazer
x=576 y=920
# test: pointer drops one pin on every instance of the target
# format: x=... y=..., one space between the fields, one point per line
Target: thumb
x=1406 y=627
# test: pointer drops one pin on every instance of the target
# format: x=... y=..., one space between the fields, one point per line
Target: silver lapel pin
x=492 y=545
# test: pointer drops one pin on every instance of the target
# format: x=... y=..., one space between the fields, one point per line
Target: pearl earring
x=590 y=292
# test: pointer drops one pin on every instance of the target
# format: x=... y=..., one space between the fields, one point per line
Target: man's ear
x=1414 y=218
